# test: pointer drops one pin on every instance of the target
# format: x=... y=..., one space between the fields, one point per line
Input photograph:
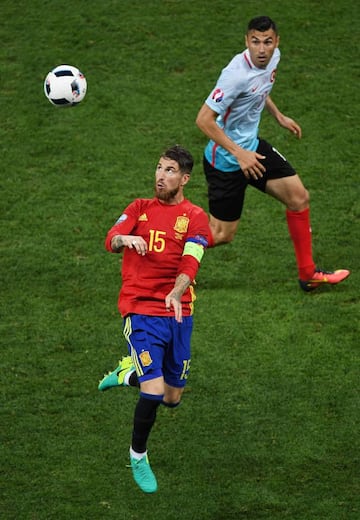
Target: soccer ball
x=65 y=86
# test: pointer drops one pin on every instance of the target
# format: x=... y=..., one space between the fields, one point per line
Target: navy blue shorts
x=226 y=190
x=159 y=346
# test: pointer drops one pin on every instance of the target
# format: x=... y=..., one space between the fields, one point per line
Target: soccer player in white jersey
x=236 y=157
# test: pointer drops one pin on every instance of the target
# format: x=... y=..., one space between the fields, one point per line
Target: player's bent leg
x=144 y=419
x=290 y=191
x=172 y=396
x=118 y=377
x=223 y=232
x=154 y=386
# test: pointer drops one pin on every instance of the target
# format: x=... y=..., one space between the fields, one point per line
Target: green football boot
x=117 y=376
x=143 y=474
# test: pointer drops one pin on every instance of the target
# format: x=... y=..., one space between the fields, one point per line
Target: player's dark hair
x=262 y=24
x=181 y=156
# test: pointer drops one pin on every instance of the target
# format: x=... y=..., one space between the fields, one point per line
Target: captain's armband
x=195 y=249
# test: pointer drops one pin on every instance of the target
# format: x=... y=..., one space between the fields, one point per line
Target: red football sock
x=300 y=233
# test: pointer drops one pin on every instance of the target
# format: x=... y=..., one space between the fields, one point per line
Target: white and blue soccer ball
x=65 y=86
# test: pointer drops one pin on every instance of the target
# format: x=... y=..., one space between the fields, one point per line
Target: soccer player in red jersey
x=163 y=241
x=236 y=157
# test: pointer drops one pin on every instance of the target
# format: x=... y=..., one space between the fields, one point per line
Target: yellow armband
x=194 y=249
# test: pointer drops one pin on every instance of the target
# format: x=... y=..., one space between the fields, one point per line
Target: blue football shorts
x=159 y=346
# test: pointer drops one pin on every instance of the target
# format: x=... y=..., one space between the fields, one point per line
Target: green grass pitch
x=269 y=424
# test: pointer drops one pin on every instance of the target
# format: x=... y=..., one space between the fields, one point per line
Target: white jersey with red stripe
x=239 y=98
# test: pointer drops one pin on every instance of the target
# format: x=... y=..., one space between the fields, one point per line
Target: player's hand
x=291 y=125
x=175 y=303
x=135 y=242
x=250 y=164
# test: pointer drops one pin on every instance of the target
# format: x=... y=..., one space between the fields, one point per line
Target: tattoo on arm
x=182 y=282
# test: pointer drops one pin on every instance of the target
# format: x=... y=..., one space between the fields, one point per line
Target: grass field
x=269 y=425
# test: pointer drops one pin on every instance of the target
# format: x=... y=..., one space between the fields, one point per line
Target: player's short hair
x=262 y=24
x=181 y=156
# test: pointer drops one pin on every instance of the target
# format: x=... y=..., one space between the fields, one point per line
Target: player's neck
x=178 y=199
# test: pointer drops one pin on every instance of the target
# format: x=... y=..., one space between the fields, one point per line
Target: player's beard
x=168 y=195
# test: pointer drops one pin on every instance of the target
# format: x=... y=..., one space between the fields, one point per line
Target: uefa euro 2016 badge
x=122 y=218
x=182 y=224
x=218 y=95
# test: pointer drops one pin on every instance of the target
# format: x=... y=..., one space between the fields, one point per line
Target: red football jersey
x=146 y=280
